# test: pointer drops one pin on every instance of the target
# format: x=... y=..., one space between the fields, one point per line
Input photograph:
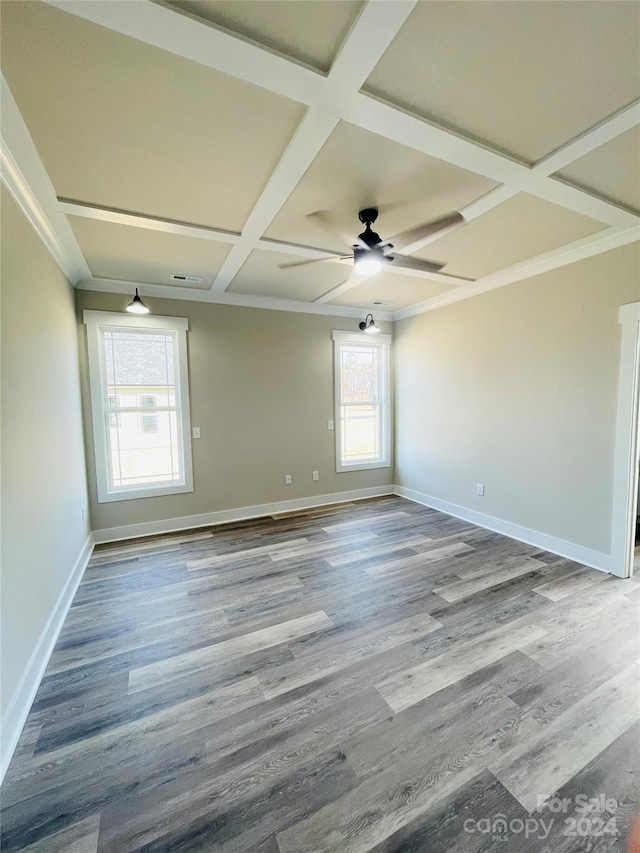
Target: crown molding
x=24 y=175
x=15 y=182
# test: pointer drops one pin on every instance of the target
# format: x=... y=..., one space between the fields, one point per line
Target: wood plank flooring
x=365 y=677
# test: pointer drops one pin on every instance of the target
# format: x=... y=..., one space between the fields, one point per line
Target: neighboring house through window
x=362 y=401
x=114 y=417
x=140 y=405
x=148 y=423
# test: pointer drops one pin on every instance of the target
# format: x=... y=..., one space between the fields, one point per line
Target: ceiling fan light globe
x=367 y=266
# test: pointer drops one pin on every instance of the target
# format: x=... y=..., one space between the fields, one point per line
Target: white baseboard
x=170 y=525
x=578 y=553
x=22 y=700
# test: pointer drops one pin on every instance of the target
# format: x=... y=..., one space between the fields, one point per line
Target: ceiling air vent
x=190 y=279
x=382 y=303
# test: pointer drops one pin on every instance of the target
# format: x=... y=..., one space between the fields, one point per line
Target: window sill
x=146 y=492
x=362 y=466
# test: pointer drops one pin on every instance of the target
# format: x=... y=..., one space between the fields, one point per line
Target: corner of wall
x=22 y=699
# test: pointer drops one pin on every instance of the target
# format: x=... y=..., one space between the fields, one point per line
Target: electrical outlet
x=287 y=479
x=329 y=424
x=480 y=489
x=315 y=475
x=195 y=432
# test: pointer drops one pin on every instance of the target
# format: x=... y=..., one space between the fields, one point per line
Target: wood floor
x=369 y=677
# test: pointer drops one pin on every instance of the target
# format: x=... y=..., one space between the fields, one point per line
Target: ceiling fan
x=371 y=253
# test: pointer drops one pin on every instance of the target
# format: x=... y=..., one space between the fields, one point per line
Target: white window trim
x=94 y=320
x=384 y=342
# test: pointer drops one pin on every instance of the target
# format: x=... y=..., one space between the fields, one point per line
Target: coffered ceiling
x=223 y=138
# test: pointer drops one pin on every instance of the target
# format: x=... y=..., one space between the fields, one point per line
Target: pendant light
x=137 y=306
x=368 y=325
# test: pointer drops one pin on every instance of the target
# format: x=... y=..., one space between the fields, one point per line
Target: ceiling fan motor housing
x=368 y=216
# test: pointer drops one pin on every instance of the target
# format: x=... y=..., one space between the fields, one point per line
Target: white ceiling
x=207 y=137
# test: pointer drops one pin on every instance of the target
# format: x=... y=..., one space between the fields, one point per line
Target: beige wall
x=43 y=467
x=517 y=389
x=261 y=386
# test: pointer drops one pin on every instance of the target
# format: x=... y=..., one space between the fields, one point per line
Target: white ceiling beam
x=309 y=139
x=339 y=289
x=492 y=199
x=149 y=223
x=406 y=129
x=178 y=32
x=368 y=39
x=29 y=184
x=126 y=288
x=603 y=241
x=185 y=36
x=333 y=96
x=370 y=36
x=311 y=135
x=170 y=226
x=606 y=131
x=354 y=280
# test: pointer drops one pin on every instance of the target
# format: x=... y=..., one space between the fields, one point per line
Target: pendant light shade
x=368 y=325
x=137 y=306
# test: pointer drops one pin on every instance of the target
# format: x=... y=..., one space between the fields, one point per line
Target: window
x=362 y=401
x=148 y=423
x=114 y=417
x=140 y=405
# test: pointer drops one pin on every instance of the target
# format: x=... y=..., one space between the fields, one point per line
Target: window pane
x=114 y=417
x=144 y=455
x=359 y=374
x=140 y=368
x=360 y=433
x=149 y=423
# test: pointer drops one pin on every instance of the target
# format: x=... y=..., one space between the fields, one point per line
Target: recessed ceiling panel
x=514 y=231
x=311 y=31
x=137 y=254
x=358 y=169
x=612 y=171
x=525 y=77
x=122 y=124
x=394 y=290
x=260 y=276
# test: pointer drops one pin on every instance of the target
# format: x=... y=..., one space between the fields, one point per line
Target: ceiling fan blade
x=329 y=222
x=428 y=229
x=313 y=261
x=409 y=263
